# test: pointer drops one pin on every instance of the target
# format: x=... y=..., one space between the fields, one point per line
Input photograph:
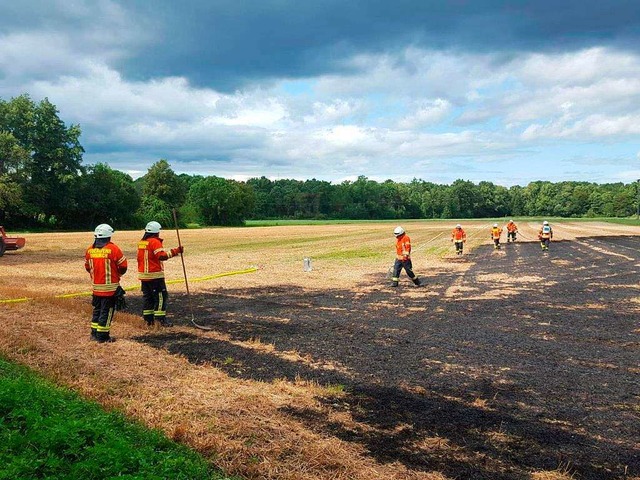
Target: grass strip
x=50 y=432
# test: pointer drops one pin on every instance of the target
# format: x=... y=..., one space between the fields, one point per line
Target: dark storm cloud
x=226 y=43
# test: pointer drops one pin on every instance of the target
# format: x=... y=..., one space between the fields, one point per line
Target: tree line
x=43 y=184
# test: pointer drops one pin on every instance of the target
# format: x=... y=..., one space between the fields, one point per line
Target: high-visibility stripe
x=109 y=287
x=150 y=275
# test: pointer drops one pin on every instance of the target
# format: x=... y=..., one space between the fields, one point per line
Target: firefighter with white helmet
x=458 y=237
x=545 y=235
x=496 y=232
x=151 y=258
x=512 y=230
x=403 y=257
x=106 y=263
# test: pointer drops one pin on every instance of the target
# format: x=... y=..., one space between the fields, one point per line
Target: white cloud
x=426 y=114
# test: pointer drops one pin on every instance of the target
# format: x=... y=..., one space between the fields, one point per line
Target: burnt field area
x=527 y=361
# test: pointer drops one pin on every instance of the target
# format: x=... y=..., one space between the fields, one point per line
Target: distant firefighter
x=496 y=232
x=106 y=263
x=545 y=235
x=458 y=237
x=403 y=257
x=512 y=230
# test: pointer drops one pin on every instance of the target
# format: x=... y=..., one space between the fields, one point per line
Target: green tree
x=222 y=202
x=162 y=183
x=55 y=156
x=13 y=161
x=105 y=195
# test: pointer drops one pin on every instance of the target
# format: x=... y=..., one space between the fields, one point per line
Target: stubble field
x=508 y=364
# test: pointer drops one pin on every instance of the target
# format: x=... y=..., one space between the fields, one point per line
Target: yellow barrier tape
x=137 y=287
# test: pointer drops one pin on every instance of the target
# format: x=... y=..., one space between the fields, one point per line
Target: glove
x=177 y=250
x=121 y=302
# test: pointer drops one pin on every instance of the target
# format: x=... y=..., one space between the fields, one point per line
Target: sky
x=484 y=90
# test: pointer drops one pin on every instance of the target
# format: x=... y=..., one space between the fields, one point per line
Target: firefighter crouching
x=106 y=263
x=545 y=235
x=512 y=230
x=458 y=237
x=496 y=232
x=403 y=257
x=151 y=255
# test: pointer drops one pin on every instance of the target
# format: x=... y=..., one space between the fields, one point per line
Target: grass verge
x=49 y=432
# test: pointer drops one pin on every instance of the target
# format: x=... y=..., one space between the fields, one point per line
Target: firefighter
x=106 y=263
x=458 y=237
x=545 y=235
x=403 y=257
x=496 y=232
x=512 y=229
x=151 y=255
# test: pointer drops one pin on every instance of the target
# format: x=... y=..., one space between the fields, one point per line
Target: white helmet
x=398 y=231
x=495 y=224
x=545 y=223
x=103 y=231
x=153 y=227
x=458 y=226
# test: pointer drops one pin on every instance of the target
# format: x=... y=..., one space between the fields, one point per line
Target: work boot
x=394 y=284
x=165 y=322
x=106 y=340
x=416 y=281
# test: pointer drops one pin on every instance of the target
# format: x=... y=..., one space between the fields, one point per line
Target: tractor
x=9 y=243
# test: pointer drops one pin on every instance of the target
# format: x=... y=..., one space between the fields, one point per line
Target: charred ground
x=526 y=361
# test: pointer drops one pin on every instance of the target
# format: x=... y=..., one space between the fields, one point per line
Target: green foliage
x=47 y=178
x=163 y=184
x=48 y=432
x=105 y=195
x=221 y=202
x=44 y=185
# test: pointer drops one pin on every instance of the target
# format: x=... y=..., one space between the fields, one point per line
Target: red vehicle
x=9 y=243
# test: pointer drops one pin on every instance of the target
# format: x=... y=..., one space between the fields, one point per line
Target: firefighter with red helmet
x=458 y=237
x=151 y=256
x=106 y=263
x=403 y=257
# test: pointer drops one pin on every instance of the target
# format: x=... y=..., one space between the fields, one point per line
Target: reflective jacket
x=545 y=232
x=403 y=247
x=151 y=254
x=458 y=235
x=106 y=265
x=511 y=227
x=496 y=232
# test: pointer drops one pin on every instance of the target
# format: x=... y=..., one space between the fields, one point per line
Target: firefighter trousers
x=104 y=309
x=408 y=267
x=154 y=300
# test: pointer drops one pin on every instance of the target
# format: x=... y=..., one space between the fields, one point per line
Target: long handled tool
x=184 y=271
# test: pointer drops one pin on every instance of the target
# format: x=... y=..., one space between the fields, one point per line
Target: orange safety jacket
x=511 y=227
x=403 y=247
x=545 y=234
x=459 y=235
x=151 y=254
x=496 y=232
x=106 y=265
